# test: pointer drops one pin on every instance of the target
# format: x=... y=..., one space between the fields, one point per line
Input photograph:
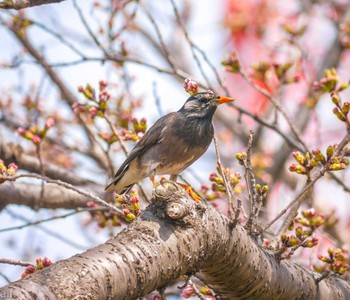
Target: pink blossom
x=13 y=166
x=36 y=139
x=187 y=292
x=190 y=86
x=21 y=131
x=50 y=122
x=93 y=111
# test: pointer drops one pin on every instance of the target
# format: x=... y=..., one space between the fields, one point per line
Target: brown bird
x=172 y=144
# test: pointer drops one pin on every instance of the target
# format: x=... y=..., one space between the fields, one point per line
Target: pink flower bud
x=103 y=84
x=21 y=131
x=50 y=122
x=187 y=292
x=93 y=112
x=47 y=262
x=190 y=86
x=77 y=108
x=36 y=139
x=13 y=166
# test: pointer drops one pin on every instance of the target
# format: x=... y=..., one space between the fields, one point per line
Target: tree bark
x=53 y=197
x=176 y=236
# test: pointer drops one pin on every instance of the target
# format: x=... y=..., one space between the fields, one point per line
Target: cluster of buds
x=218 y=186
x=231 y=63
x=190 y=86
x=329 y=82
x=189 y=292
x=336 y=261
x=104 y=218
x=304 y=228
x=281 y=73
x=10 y=170
x=135 y=132
x=108 y=138
x=260 y=70
x=41 y=263
x=310 y=219
x=309 y=161
x=99 y=102
x=34 y=133
x=341 y=110
x=261 y=190
x=129 y=205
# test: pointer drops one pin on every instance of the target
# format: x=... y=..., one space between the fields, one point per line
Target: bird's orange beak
x=222 y=100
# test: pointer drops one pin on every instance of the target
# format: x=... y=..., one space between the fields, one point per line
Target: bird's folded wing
x=152 y=137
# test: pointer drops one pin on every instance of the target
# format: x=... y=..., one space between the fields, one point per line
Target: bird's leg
x=173 y=177
x=154 y=181
x=190 y=191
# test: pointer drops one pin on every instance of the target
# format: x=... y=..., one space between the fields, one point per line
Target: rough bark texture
x=20 y=4
x=176 y=236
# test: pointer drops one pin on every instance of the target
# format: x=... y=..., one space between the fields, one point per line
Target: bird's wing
x=152 y=136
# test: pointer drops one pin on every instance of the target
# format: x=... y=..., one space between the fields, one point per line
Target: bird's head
x=203 y=105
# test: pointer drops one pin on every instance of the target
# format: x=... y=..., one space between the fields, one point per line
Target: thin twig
x=250 y=182
x=15 y=262
x=77 y=211
x=228 y=188
x=275 y=103
x=49 y=232
x=199 y=65
x=302 y=195
x=196 y=291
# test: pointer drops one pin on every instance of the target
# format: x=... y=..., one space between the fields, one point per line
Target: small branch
x=301 y=197
x=195 y=289
x=228 y=188
x=278 y=107
x=251 y=183
x=15 y=262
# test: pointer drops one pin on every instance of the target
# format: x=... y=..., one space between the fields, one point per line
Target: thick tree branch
x=20 y=4
x=10 y=152
x=176 y=236
x=29 y=195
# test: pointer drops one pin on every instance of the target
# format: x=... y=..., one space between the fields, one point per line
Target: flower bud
x=190 y=86
x=346 y=108
x=335 y=98
x=50 y=122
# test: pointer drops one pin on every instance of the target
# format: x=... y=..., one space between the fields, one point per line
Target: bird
x=172 y=144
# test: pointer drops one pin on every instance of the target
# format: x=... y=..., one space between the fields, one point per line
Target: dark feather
x=151 y=138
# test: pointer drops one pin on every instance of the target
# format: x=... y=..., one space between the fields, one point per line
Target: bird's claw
x=190 y=191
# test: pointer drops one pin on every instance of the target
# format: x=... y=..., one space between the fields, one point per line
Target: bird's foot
x=190 y=191
x=154 y=181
